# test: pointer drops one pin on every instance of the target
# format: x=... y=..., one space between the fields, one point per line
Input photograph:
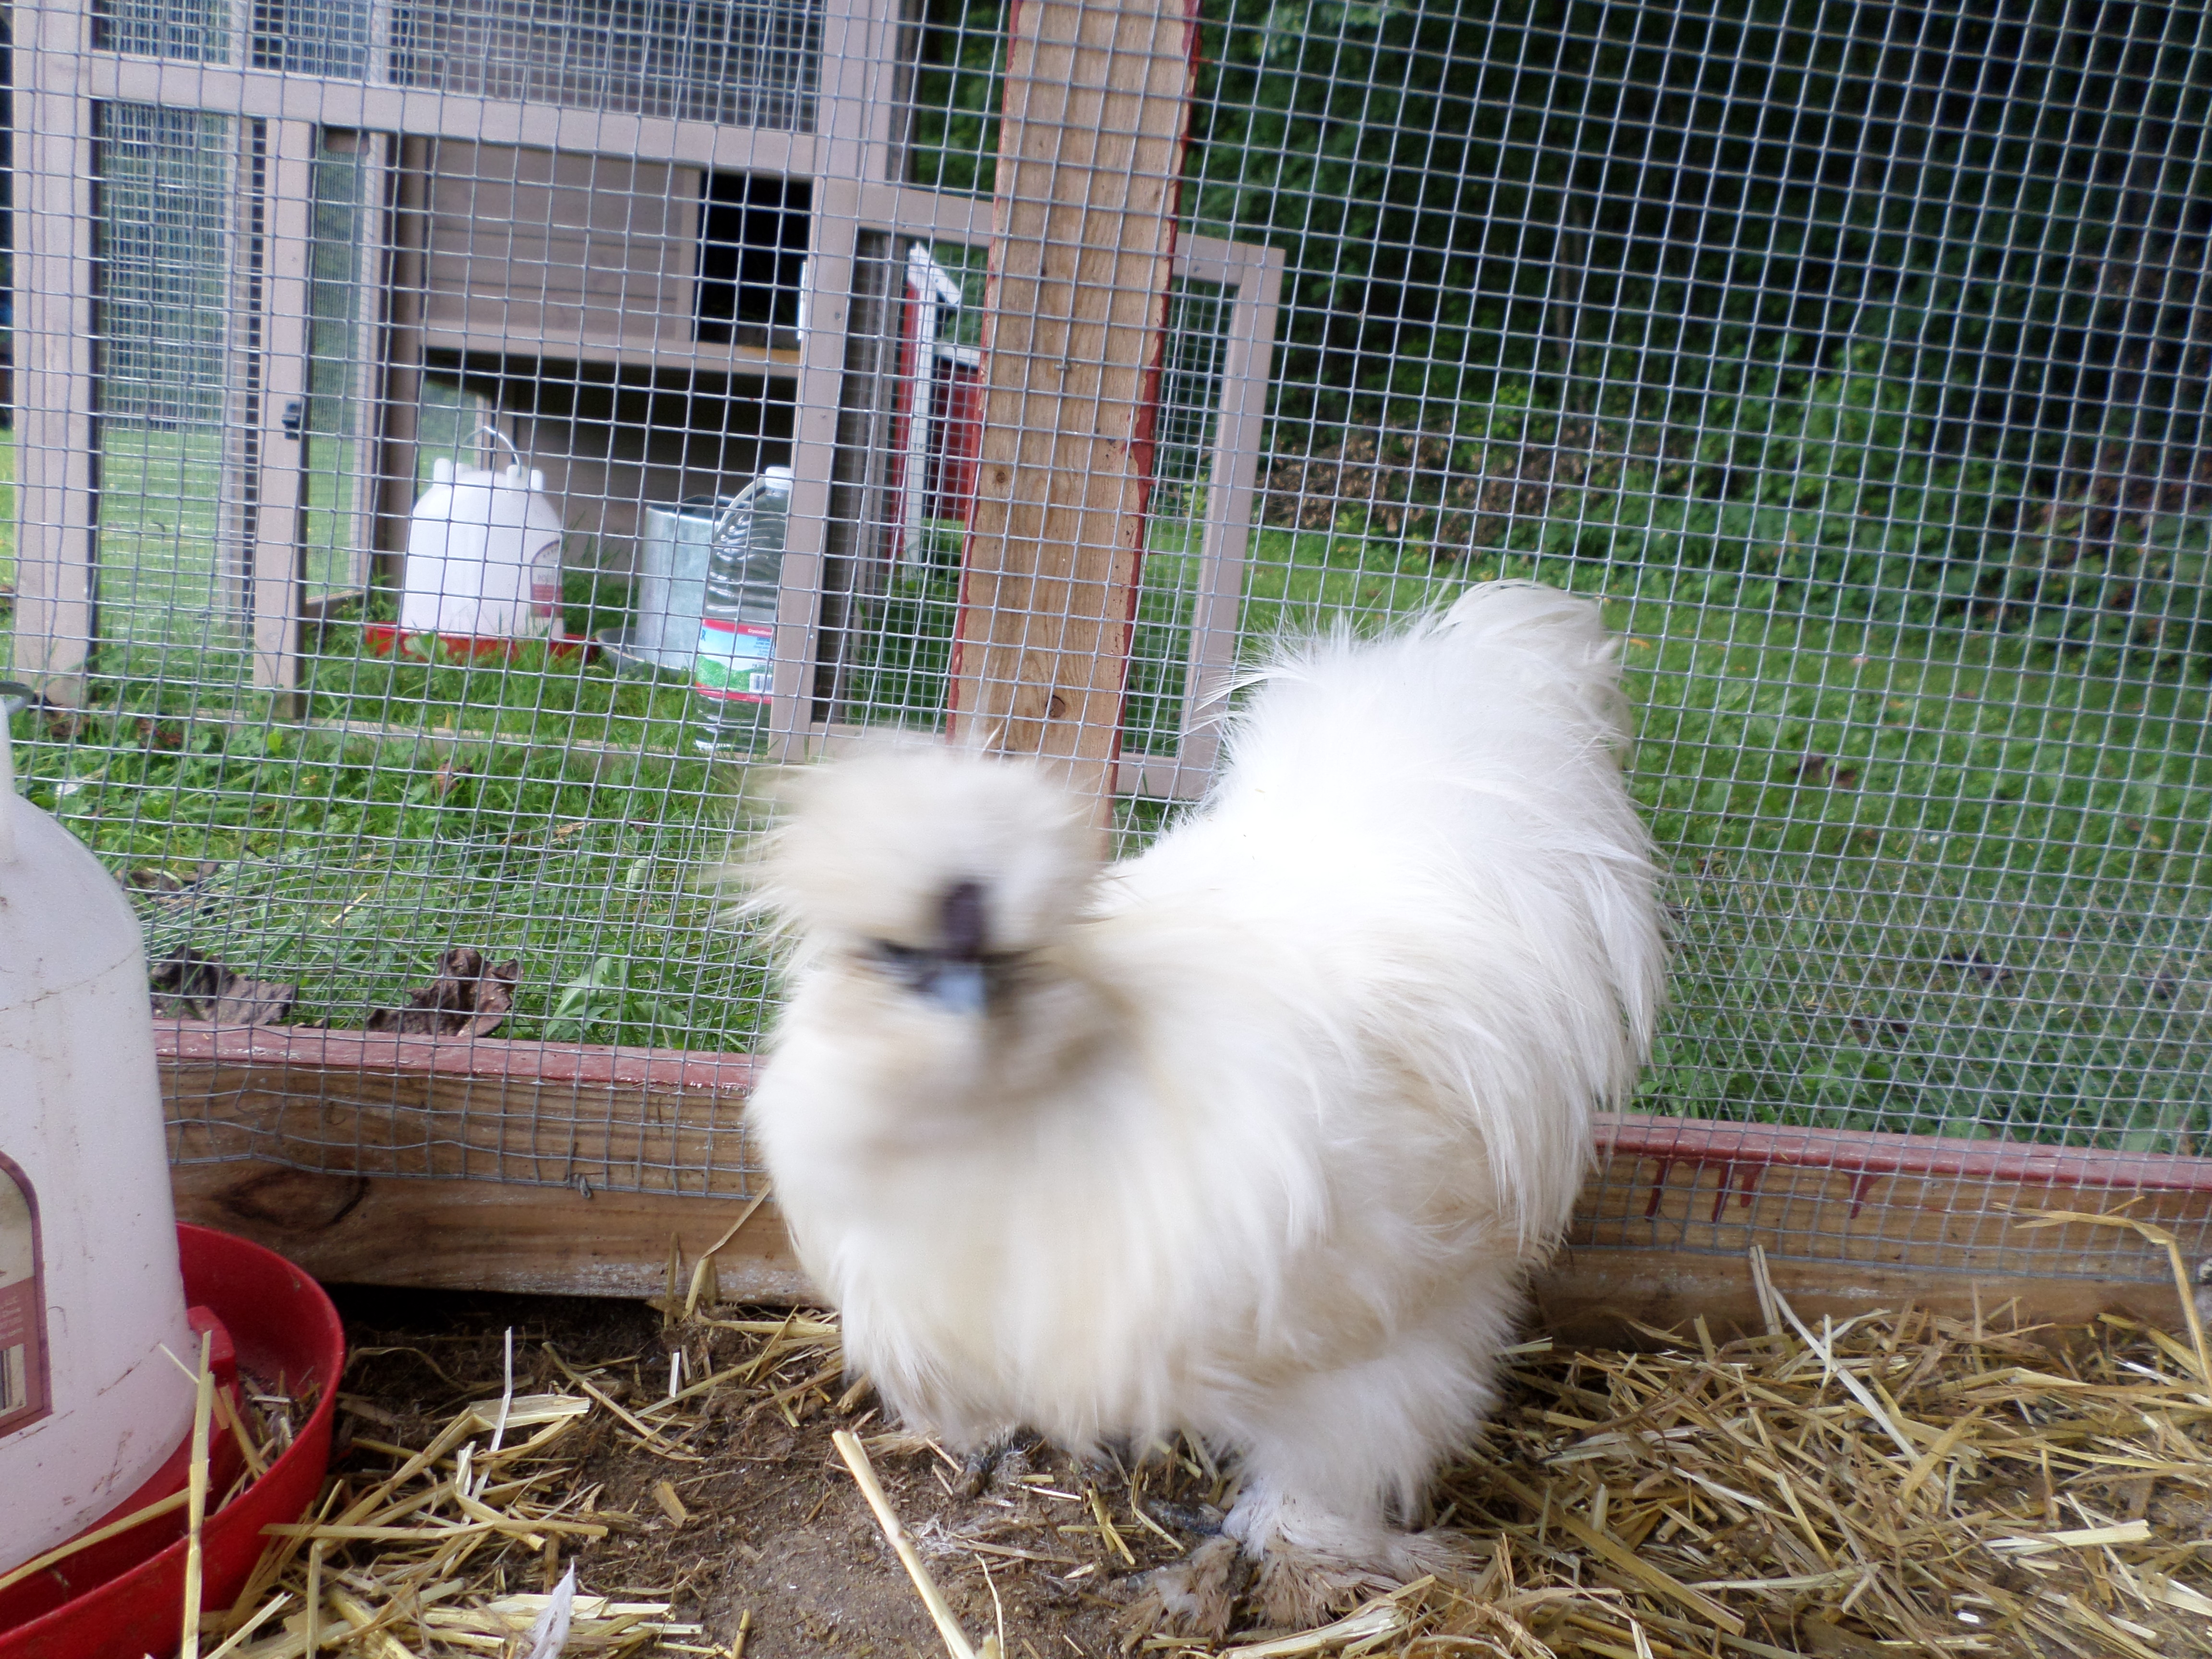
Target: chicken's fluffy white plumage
x=1254 y=1136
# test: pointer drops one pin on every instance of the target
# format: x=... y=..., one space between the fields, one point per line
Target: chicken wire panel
x=910 y=431
x=1855 y=354
x=736 y=63
x=746 y=63
x=165 y=233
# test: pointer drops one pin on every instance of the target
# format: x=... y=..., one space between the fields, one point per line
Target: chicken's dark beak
x=958 y=985
x=958 y=988
x=962 y=930
x=955 y=974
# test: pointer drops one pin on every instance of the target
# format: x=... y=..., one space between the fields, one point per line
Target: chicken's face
x=959 y=972
x=932 y=893
x=929 y=872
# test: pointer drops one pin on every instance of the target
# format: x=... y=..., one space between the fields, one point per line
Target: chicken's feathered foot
x=1195 y=1597
x=1283 y=1585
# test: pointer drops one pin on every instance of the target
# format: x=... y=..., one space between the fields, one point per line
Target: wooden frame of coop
x=584 y=274
x=359 y=1155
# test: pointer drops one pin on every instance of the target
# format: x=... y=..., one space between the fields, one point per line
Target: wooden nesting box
x=632 y=324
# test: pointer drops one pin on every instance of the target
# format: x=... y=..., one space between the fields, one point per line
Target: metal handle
x=494 y=433
x=295 y=420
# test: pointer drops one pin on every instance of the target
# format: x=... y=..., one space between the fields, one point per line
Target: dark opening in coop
x=752 y=259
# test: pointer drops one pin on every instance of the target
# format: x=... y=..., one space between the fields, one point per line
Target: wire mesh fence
x=1857 y=354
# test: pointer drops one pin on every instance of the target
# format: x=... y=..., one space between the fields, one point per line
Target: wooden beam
x=1091 y=149
x=484 y=1235
x=56 y=434
x=1615 y=1297
x=377 y=1104
x=282 y=196
x=369 y=1157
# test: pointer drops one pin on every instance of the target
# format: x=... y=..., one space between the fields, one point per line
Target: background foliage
x=1900 y=306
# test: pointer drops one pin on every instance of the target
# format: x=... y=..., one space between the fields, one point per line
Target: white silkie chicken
x=1254 y=1136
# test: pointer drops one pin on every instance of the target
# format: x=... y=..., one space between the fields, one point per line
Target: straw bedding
x=1899 y=1483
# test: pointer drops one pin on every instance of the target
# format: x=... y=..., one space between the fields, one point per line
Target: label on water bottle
x=545 y=582
x=23 y=1379
x=735 y=661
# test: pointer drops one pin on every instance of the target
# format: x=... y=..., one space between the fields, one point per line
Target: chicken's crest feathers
x=903 y=838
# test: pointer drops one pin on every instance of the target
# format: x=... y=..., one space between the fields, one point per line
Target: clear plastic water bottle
x=734 y=672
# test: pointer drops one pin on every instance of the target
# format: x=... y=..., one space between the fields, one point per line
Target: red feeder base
x=125 y=1597
x=390 y=640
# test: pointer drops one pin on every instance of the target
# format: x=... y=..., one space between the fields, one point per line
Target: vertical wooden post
x=1091 y=149
x=405 y=280
x=288 y=230
x=54 y=429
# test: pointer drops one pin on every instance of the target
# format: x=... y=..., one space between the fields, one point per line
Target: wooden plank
x=1090 y=151
x=1851 y=1222
x=1848 y=1221
x=479 y=1236
x=371 y=1104
x=1599 y=1299
x=286 y=233
x=398 y=411
x=551 y=251
x=356 y=512
x=1922 y=1202
x=54 y=430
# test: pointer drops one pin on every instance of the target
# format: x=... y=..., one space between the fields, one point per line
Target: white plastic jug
x=484 y=553
x=89 y=1288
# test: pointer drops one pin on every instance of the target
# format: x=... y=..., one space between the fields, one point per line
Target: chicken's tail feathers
x=1560 y=640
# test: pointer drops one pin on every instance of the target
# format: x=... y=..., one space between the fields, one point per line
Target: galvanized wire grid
x=1856 y=353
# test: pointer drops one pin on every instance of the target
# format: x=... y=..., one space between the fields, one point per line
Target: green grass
x=347 y=860
x=1856 y=813
x=1922 y=878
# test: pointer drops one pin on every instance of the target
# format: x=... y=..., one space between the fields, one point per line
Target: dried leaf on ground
x=163 y=895
x=469 y=998
x=192 y=985
x=1984 y=967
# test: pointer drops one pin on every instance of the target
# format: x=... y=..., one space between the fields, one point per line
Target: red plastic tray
x=114 y=1599
x=390 y=639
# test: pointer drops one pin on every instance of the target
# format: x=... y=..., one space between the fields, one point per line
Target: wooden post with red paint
x=1090 y=150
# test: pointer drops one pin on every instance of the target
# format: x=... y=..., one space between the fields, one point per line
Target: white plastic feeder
x=484 y=553
x=89 y=1288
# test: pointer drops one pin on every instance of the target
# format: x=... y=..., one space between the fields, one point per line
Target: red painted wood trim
x=557 y=1064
